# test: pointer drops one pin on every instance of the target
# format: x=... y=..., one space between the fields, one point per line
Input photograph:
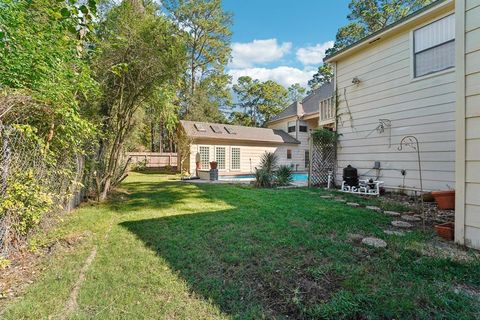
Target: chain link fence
x=55 y=182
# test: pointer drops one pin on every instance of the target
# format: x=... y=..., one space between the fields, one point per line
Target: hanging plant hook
x=412 y=142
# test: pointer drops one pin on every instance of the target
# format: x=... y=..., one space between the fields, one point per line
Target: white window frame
x=204 y=166
x=412 y=53
x=289 y=126
x=232 y=158
x=224 y=158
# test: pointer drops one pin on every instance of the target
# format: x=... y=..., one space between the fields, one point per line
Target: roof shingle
x=237 y=133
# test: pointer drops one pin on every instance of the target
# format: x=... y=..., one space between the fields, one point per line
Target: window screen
x=205 y=157
x=292 y=126
x=235 y=159
x=220 y=157
x=434 y=46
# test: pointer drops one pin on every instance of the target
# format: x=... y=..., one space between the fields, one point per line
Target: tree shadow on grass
x=249 y=267
x=275 y=254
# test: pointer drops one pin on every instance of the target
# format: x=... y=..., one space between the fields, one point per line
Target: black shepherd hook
x=412 y=142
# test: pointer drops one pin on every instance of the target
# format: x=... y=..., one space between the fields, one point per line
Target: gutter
x=377 y=34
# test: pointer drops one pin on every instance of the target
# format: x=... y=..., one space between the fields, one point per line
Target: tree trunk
x=152 y=136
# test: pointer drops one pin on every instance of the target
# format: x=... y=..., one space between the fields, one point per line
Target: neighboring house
x=300 y=118
x=236 y=149
x=397 y=82
x=467 y=211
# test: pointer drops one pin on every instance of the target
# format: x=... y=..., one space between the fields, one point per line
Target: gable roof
x=391 y=27
x=309 y=105
x=216 y=131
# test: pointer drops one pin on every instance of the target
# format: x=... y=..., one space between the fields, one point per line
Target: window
x=220 y=157
x=307 y=158
x=302 y=126
x=292 y=126
x=205 y=158
x=235 y=159
x=289 y=154
x=434 y=47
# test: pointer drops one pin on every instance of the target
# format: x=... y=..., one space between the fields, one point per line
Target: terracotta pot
x=213 y=165
x=446 y=230
x=445 y=199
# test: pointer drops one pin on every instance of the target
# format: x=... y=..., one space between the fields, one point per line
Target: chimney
x=300 y=111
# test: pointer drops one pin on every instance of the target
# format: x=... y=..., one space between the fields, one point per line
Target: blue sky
x=282 y=40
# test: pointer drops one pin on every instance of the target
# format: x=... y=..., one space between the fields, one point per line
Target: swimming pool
x=297 y=177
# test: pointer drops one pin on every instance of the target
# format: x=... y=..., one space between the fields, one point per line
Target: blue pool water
x=297 y=177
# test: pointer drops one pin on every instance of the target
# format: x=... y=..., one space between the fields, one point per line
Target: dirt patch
x=448 y=250
x=288 y=283
x=432 y=213
x=72 y=304
x=468 y=290
x=26 y=266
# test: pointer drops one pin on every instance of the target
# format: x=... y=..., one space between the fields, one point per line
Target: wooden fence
x=153 y=159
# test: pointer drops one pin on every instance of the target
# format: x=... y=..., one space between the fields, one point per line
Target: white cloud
x=284 y=75
x=246 y=55
x=313 y=55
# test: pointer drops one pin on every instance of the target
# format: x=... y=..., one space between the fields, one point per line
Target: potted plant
x=213 y=165
x=446 y=230
x=445 y=199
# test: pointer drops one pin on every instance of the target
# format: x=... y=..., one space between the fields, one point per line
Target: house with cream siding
x=236 y=149
x=398 y=82
x=467 y=211
x=302 y=117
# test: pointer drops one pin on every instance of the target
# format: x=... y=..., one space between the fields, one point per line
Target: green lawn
x=171 y=250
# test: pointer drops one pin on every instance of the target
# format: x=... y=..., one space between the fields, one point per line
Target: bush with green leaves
x=24 y=203
x=265 y=175
x=284 y=176
x=270 y=174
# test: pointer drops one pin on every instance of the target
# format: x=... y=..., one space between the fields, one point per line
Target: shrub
x=265 y=176
x=284 y=175
x=263 y=179
x=269 y=162
x=24 y=202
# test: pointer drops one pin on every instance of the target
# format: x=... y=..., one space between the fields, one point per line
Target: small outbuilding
x=236 y=149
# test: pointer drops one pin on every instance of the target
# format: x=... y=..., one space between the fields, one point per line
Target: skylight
x=216 y=129
x=200 y=127
x=230 y=130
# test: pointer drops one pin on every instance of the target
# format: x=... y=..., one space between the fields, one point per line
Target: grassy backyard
x=170 y=250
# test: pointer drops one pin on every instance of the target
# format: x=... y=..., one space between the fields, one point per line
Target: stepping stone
x=374 y=242
x=353 y=204
x=374 y=208
x=340 y=200
x=402 y=224
x=326 y=197
x=392 y=213
x=394 y=233
x=411 y=218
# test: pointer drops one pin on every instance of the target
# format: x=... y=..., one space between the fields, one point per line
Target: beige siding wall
x=298 y=154
x=468 y=189
x=250 y=155
x=424 y=107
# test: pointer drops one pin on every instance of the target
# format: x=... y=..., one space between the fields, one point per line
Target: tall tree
x=206 y=28
x=259 y=100
x=368 y=16
x=139 y=53
x=323 y=75
x=296 y=92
